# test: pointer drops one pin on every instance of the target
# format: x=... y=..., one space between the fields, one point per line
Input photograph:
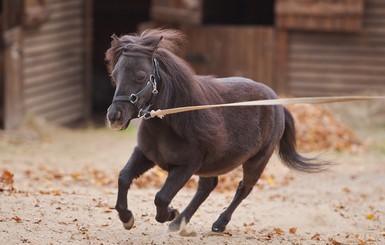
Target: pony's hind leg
x=252 y=171
x=176 y=179
x=205 y=187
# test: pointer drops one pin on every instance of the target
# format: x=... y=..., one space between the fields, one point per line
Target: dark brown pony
x=207 y=143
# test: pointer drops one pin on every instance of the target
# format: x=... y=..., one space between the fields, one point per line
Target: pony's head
x=135 y=73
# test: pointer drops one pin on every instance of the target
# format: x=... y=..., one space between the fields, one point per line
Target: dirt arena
x=58 y=186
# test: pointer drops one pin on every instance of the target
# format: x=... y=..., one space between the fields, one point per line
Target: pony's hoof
x=174 y=225
x=129 y=224
x=218 y=227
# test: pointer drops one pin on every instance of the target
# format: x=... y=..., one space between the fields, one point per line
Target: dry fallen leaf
x=346 y=190
x=278 y=231
x=56 y=192
x=334 y=241
x=361 y=241
x=318 y=129
x=293 y=230
x=41 y=192
x=75 y=175
x=370 y=216
x=7 y=177
x=271 y=180
x=185 y=233
x=16 y=218
x=6 y=181
x=316 y=237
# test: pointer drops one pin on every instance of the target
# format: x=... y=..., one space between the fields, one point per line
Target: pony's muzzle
x=114 y=115
x=116 y=118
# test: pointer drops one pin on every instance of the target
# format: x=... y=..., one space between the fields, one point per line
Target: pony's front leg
x=136 y=166
x=176 y=179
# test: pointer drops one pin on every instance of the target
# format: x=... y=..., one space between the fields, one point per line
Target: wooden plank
x=336 y=88
x=303 y=23
x=46 y=78
x=60 y=5
x=375 y=11
x=42 y=38
x=36 y=90
x=52 y=56
x=232 y=51
x=319 y=8
x=376 y=3
x=71 y=12
x=336 y=64
x=325 y=58
x=13 y=107
x=49 y=47
x=68 y=118
x=2 y=100
x=54 y=69
x=342 y=68
x=341 y=88
x=375 y=22
x=282 y=62
x=339 y=15
x=87 y=58
x=337 y=51
x=56 y=65
x=53 y=95
x=169 y=15
x=52 y=105
x=337 y=39
x=59 y=25
x=338 y=78
x=11 y=13
x=305 y=92
x=65 y=115
x=177 y=11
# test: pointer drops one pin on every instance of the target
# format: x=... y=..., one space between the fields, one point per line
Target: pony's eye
x=140 y=76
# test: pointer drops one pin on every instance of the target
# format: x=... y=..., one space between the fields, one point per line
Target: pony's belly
x=219 y=168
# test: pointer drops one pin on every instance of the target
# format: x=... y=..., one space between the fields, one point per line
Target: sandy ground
x=65 y=191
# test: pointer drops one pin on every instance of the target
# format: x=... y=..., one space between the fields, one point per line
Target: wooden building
x=52 y=51
x=298 y=47
x=46 y=60
x=343 y=57
x=52 y=56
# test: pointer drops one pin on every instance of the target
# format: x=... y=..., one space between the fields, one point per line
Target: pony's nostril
x=113 y=115
x=119 y=115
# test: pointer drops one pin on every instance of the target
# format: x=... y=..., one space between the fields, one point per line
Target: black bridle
x=134 y=98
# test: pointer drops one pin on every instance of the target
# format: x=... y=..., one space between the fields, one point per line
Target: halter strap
x=133 y=98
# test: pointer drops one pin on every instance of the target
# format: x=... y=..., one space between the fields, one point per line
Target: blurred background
x=53 y=75
x=52 y=51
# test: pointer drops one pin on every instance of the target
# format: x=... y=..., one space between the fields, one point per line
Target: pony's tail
x=289 y=154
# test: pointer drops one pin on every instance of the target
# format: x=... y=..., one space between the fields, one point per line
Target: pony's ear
x=115 y=38
x=156 y=43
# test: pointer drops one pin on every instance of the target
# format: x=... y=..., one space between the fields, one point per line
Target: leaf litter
x=97 y=177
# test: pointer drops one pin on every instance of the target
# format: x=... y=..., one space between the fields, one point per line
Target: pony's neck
x=179 y=84
x=180 y=87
